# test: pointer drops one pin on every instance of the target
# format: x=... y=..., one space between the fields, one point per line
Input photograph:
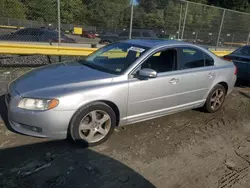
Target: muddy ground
x=191 y=149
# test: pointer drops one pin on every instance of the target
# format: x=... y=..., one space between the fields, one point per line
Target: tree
x=73 y=12
x=12 y=9
x=45 y=10
x=107 y=13
x=240 y=5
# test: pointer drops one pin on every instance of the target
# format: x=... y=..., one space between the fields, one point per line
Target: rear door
x=198 y=73
x=241 y=59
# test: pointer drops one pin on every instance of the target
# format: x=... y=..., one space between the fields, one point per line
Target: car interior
x=162 y=62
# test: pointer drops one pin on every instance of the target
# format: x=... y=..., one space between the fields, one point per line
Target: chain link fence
x=105 y=21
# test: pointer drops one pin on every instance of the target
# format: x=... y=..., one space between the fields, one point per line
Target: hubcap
x=217 y=99
x=95 y=126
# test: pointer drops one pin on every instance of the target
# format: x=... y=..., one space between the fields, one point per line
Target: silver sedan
x=119 y=84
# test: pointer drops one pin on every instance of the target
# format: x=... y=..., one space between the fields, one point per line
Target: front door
x=155 y=96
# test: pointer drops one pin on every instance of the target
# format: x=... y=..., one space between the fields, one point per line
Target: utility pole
x=184 y=22
x=179 y=30
x=221 y=24
x=131 y=19
x=59 y=21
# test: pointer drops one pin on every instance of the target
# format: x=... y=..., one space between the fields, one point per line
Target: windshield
x=115 y=58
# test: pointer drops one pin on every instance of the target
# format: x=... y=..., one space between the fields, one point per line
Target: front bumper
x=50 y=123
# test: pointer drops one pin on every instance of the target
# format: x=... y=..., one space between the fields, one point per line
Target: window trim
x=205 y=59
x=136 y=69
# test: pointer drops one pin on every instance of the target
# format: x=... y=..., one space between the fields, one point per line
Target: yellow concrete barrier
x=31 y=49
x=10 y=27
x=221 y=53
x=12 y=48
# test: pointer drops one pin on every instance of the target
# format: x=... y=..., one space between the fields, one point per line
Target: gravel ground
x=188 y=149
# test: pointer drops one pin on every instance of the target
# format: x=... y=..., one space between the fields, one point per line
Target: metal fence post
x=131 y=19
x=184 y=22
x=59 y=21
x=3 y=9
x=179 y=29
x=248 y=38
x=221 y=25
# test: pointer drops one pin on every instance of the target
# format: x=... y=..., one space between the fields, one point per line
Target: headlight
x=38 y=104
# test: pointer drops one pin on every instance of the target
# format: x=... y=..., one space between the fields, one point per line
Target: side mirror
x=146 y=73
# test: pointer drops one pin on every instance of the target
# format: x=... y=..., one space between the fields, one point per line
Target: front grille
x=8 y=98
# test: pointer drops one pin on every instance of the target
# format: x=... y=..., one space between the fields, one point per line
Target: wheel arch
x=224 y=84
x=107 y=102
x=114 y=108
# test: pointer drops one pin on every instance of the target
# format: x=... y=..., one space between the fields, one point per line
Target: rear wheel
x=215 y=99
x=93 y=124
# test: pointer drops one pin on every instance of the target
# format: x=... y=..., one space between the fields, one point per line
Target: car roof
x=40 y=29
x=154 y=42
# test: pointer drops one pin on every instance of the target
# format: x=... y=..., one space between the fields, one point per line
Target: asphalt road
x=188 y=149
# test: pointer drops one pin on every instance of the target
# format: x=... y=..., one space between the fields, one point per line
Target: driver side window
x=162 y=61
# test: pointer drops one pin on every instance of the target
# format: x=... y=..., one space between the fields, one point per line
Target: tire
x=84 y=114
x=209 y=105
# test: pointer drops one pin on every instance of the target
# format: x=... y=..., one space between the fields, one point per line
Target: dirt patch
x=188 y=149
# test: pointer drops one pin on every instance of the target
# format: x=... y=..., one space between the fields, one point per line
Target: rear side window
x=191 y=58
x=136 y=34
x=209 y=61
x=146 y=34
x=34 y=32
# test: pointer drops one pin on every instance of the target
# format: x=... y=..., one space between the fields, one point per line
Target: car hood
x=59 y=76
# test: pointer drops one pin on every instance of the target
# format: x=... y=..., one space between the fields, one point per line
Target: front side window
x=115 y=58
x=124 y=34
x=23 y=32
x=162 y=61
x=191 y=58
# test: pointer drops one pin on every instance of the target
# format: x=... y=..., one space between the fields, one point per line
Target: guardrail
x=31 y=49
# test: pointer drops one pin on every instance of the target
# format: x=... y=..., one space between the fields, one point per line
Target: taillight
x=235 y=70
x=227 y=58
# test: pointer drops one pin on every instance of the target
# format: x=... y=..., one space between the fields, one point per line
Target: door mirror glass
x=147 y=73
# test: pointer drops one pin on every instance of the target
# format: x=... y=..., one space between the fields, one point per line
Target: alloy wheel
x=94 y=126
x=217 y=99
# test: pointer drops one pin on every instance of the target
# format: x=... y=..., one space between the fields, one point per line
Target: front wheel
x=215 y=99
x=93 y=124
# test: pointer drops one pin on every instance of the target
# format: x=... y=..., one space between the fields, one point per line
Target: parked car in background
x=88 y=34
x=119 y=84
x=36 y=35
x=136 y=34
x=241 y=59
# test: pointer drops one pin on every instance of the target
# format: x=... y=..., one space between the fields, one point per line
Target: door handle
x=210 y=75
x=174 y=81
